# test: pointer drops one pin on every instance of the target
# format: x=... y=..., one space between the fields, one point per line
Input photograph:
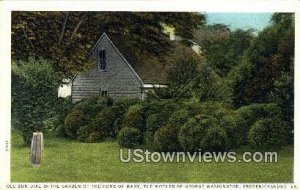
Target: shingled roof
x=151 y=69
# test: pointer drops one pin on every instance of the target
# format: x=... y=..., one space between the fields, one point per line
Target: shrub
x=60 y=131
x=104 y=122
x=73 y=122
x=191 y=135
x=154 y=106
x=95 y=136
x=126 y=103
x=268 y=133
x=63 y=107
x=207 y=121
x=251 y=113
x=178 y=118
x=237 y=134
x=215 y=109
x=181 y=75
x=134 y=117
x=129 y=137
x=34 y=85
x=93 y=105
x=165 y=139
x=149 y=140
x=83 y=133
x=192 y=106
x=155 y=121
x=215 y=140
x=89 y=135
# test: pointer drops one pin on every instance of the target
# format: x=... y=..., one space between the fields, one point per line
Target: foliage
x=106 y=121
x=134 y=117
x=91 y=106
x=268 y=133
x=66 y=37
x=251 y=113
x=215 y=140
x=224 y=53
x=73 y=122
x=84 y=132
x=165 y=139
x=34 y=85
x=270 y=55
x=155 y=121
x=95 y=136
x=190 y=78
x=215 y=110
x=129 y=137
x=181 y=76
x=191 y=135
x=178 y=118
x=236 y=132
x=55 y=124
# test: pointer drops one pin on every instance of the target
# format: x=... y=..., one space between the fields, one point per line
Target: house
x=117 y=74
x=65 y=89
x=170 y=31
x=112 y=76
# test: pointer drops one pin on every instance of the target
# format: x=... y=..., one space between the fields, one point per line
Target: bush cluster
x=129 y=137
x=97 y=118
x=268 y=133
x=168 y=125
x=34 y=97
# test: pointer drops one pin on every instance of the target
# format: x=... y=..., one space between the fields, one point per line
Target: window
x=101 y=60
x=104 y=93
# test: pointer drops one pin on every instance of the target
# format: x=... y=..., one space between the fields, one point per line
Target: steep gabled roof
x=149 y=69
x=104 y=35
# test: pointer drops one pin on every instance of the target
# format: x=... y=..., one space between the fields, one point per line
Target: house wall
x=64 y=90
x=119 y=79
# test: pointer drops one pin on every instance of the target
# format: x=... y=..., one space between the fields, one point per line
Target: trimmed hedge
x=155 y=121
x=178 y=118
x=84 y=132
x=165 y=139
x=107 y=120
x=237 y=133
x=134 y=117
x=251 y=113
x=268 y=133
x=191 y=135
x=129 y=137
x=73 y=122
x=93 y=105
x=167 y=125
x=215 y=140
x=95 y=136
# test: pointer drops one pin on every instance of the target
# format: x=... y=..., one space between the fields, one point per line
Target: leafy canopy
x=65 y=38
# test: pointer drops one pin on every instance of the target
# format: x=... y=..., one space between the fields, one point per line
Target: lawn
x=68 y=161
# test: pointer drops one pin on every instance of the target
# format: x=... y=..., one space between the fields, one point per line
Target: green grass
x=68 y=161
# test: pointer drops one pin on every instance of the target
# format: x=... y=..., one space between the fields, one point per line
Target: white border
x=132 y=5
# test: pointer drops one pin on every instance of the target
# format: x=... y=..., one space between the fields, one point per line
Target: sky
x=240 y=20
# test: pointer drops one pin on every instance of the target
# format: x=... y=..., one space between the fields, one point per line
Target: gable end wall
x=119 y=79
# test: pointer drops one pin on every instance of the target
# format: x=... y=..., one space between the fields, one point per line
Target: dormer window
x=101 y=60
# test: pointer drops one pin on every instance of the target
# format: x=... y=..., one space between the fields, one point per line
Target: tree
x=190 y=78
x=65 y=38
x=34 y=95
x=223 y=53
x=268 y=59
x=266 y=73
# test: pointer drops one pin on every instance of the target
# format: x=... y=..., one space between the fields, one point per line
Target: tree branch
x=63 y=28
x=77 y=26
